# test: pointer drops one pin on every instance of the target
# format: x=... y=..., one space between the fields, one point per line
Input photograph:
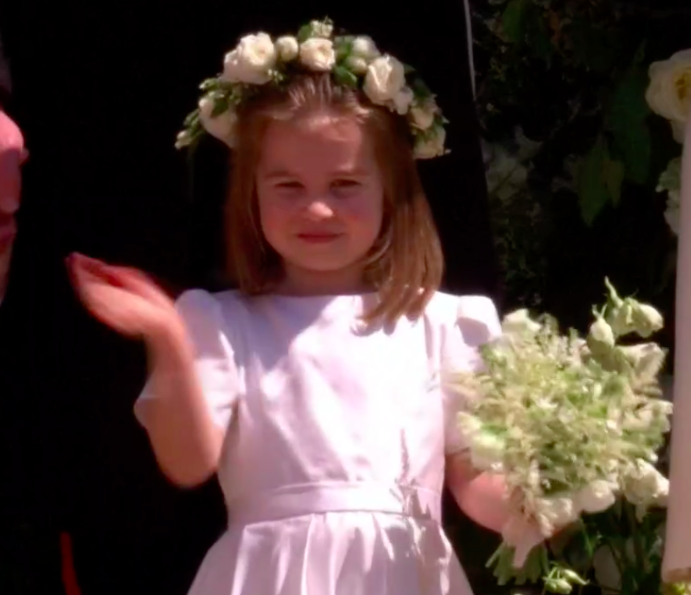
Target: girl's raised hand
x=123 y=298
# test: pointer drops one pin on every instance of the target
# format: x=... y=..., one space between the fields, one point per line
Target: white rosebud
x=251 y=61
x=601 y=332
x=321 y=29
x=357 y=65
x=519 y=321
x=596 y=497
x=468 y=424
x=423 y=115
x=669 y=92
x=183 y=139
x=364 y=47
x=646 y=319
x=384 y=79
x=318 y=54
x=287 y=48
x=221 y=126
x=432 y=145
x=401 y=103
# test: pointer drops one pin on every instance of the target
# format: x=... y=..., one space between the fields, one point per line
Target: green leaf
x=592 y=191
x=221 y=105
x=304 y=33
x=626 y=118
x=513 y=20
x=614 y=177
x=344 y=77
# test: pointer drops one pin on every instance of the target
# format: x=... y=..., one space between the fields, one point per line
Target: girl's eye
x=347 y=184
x=289 y=185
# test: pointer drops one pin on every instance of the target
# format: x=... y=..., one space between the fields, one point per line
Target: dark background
x=100 y=91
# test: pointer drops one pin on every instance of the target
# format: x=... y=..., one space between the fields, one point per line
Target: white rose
x=401 y=103
x=287 y=48
x=384 y=79
x=487 y=451
x=422 y=116
x=431 y=146
x=519 y=321
x=669 y=92
x=357 y=65
x=596 y=497
x=364 y=47
x=555 y=513
x=321 y=29
x=251 y=61
x=221 y=126
x=318 y=54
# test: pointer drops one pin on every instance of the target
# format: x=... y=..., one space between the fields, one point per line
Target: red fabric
x=69 y=576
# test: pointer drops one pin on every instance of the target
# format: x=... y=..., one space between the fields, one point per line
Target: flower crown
x=353 y=61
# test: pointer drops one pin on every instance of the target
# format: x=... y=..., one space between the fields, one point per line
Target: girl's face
x=321 y=198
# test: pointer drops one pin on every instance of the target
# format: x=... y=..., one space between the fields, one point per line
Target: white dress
x=333 y=463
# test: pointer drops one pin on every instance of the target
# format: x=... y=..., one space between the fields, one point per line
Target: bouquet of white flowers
x=574 y=426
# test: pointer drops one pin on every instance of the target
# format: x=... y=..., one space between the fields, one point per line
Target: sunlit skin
x=12 y=156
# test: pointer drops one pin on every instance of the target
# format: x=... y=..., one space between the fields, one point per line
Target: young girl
x=315 y=390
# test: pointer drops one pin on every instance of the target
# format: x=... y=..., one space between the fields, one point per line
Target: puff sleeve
x=215 y=359
x=474 y=322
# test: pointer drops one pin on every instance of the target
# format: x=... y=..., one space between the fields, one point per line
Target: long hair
x=404 y=265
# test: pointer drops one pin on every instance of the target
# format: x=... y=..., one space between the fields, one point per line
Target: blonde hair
x=405 y=264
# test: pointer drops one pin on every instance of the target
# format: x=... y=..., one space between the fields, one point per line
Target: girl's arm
x=185 y=439
x=480 y=496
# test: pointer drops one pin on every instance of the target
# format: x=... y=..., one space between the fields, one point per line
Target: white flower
x=221 y=126
x=487 y=451
x=183 y=139
x=597 y=496
x=321 y=29
x=384 y=79
x=669 y=92
x=432 y=145
x=519 y=321
x=251 y=61
x=401 y=103
x=646 y=319
x=357 y=65
x=645 y=358
x=601 y=332
x=673 y=211
x=469 y=424
x=423 y=115
x=646 y=486
x=555 y=513
x=318 y=54
x=364 y=47
x=287 y=48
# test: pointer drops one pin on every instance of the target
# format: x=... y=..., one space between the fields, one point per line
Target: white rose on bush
x=221 y=126
x=357 y=65
x=384 y=79
x=318 y=54
x=287 y=48
x=669 y=92
x=251 y=61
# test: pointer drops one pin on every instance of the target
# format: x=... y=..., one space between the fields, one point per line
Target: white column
x=676 y=565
